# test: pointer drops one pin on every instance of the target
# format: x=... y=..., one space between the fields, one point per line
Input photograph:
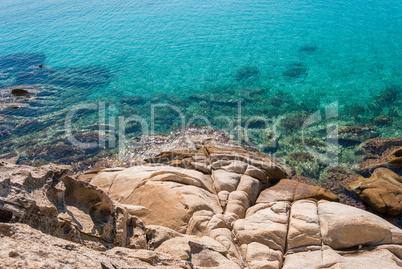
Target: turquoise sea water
x=203 y=57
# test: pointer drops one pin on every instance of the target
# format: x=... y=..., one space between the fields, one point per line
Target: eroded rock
x=382 y=191
x=49 y=200
x=239 y=211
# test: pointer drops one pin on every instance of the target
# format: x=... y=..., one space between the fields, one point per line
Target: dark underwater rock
x=34 y=75
x=390 y=158
x=247 y=72
x=308 y=48
x=21 y=60
x=21 y=100
x=295 y=70
x=133 y=100
x=19 y=92
x=294 y=122
x=354 y=135
x=380 y=152
x=51 y=151
x=199 y=97
x=302 y=179
x=90 y=137
x=306 y=164
x=29 y=126
x=20 y=109
x=387 y=96
x=382 y=120
x=133 y=127
x=4 y=134
x=225 y=102
x=337 y=180
x=378 y=146
x=28 y=68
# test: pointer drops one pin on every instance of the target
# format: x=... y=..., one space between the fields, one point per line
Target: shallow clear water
x=306 y=53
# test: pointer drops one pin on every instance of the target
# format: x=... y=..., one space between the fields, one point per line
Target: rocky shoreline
x=201 y=201
x=37 y=99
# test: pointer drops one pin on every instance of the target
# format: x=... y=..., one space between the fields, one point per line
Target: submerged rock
x=133 y=100
x=82 y=76
x=24 y=98
x=294 y=122
x=306 y=164
x=247 y=72
x=356 y=134
x=295 y=70
x=309 y=48
x=377 y=146
x=387 y=96
x=34 y=75
x=337 y=179
x=29 y=126
x=21 y=61
x=381 y=152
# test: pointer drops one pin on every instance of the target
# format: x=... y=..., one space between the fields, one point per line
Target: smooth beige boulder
x=304 y=226
x=238 y=203
x=265 y=224
x=344 y=226
x=201 y=251
x=171 y=195
x=292 y=190
x=225 y=181
x=156 y=235
x=259 y=256
x=171 y=204
x=250 y=185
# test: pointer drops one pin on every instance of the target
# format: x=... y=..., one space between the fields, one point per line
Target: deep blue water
x=311 y=53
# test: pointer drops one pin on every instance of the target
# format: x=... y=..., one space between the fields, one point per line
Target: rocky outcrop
x=214 y=206
x=49 y=200
x=21 y=246
x=382 y=191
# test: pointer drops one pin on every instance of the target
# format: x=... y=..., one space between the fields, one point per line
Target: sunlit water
x=204 y=57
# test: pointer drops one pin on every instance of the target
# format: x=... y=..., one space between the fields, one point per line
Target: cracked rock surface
x=213 y=205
